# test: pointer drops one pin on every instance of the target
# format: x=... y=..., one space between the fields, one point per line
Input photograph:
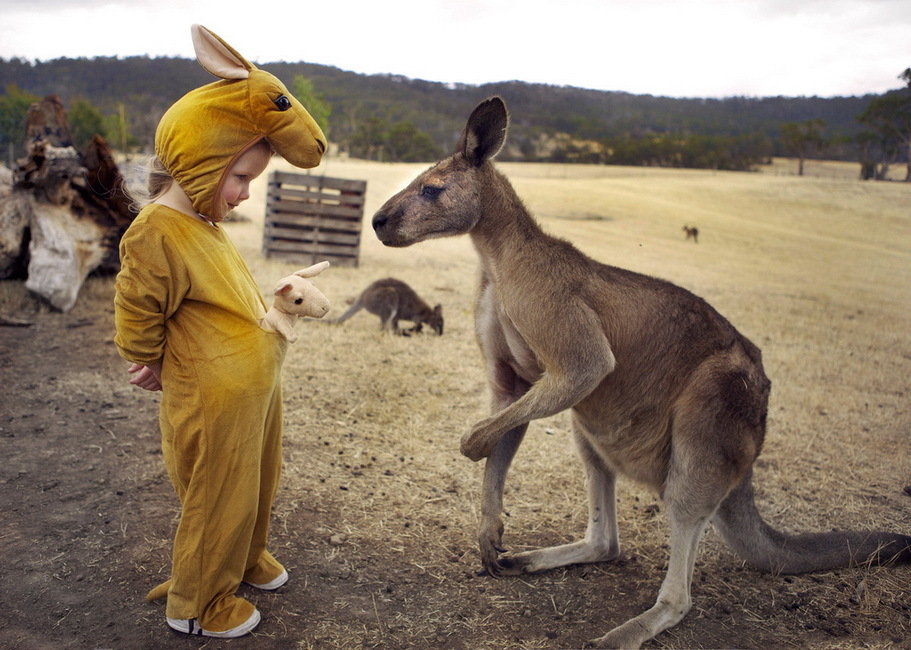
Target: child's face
x=236 y=187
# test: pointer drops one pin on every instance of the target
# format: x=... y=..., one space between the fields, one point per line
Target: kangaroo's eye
x=431 y=191
x=298 y=301
x=282 y=102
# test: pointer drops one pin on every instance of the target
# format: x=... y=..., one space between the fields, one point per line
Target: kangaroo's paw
x=480 y=441
x=490 y=541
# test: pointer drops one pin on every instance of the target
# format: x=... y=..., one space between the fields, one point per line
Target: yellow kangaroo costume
x=185 y=296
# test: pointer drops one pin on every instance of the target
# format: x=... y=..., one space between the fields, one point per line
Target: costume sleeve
x=149 y=288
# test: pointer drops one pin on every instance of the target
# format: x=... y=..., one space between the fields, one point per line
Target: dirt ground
x=377 y=512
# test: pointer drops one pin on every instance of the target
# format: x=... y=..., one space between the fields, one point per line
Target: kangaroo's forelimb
x=569 y=377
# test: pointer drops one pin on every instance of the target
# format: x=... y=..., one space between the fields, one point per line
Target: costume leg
x=212 y=451
x=261 y=566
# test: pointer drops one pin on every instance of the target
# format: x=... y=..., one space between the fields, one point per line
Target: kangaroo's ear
x=217 y=57
x=282 y=287
x=485 y=131
x=314 y=270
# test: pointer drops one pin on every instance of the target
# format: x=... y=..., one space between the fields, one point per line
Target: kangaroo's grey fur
x=393 y=300
x=662 y=387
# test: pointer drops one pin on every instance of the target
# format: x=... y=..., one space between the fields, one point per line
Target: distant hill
x=146 y=86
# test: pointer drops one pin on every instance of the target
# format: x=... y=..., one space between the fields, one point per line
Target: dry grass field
x=377 y=513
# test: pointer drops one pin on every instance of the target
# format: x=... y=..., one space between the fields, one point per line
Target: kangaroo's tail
x=351 y=311
x=767 y=549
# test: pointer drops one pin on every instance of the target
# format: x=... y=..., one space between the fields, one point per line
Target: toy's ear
x=314 y=270
x=218 y=57
x=283 y=287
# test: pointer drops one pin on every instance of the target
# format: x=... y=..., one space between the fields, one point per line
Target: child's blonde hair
x=145 y=181
x=158 y=180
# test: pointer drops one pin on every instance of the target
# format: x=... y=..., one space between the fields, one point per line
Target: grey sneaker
x=274 y=584
x=190 y=626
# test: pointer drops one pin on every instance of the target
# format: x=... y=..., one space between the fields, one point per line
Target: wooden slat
x=311 y=249
x=304 y=180
x=307 y=259
x=296 y=234
x=312 y=223
x=299 y=207
x=302 y=196
x=279 y=193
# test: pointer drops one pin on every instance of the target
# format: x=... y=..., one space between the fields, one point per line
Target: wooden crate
x=313 y=218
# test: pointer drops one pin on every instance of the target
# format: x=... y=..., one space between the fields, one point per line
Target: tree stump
x=65 y=213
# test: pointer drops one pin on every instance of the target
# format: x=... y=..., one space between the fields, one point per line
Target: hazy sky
x=682 y=48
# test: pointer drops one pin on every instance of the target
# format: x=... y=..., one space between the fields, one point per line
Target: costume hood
x=202 y=133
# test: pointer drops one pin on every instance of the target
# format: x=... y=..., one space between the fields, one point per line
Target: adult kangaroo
x=662 y=387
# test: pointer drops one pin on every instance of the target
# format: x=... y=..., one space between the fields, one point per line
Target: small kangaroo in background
x=691 y=233
x=663 y=389
x=393 y=300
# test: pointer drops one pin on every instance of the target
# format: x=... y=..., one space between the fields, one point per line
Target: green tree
x=118 y=128
x=889 y=117
x=369 y=139
x=406 y=143
x=14 y=105
x=906 y=77
x=303 y=89
x=803 y=139
x=86 y=122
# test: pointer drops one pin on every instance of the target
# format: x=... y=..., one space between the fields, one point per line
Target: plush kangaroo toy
x=296 y=297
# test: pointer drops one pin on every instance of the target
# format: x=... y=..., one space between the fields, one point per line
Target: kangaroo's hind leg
x=674 y=596
x=385 y=304
x=602 y=540
x=713 y=445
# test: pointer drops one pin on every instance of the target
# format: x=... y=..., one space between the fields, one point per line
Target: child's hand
x=146 y=377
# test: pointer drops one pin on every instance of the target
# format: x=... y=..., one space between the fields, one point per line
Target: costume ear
x=218 y=57
x=311 y=271
x=282 y=288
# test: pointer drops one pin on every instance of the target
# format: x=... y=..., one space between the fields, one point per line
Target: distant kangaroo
x=692 y=233
x=393 y=300
x=662 y=388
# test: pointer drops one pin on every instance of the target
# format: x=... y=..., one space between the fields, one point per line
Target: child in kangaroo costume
x=189 y=314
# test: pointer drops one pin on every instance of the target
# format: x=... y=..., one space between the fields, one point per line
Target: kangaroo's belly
x=632 y=437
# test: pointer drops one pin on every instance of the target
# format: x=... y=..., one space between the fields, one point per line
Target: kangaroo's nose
x=379 y=220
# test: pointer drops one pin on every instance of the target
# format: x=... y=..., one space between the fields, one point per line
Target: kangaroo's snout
x=387 y=226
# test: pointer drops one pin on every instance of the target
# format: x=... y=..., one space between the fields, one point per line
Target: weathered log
x=46 y=121
x=15 y=214
x=6 y=181
x=66 y=212
x=62 y=252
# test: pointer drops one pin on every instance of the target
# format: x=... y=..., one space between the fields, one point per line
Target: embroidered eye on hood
x=202 y=133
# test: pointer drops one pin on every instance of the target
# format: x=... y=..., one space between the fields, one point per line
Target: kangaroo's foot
x=542 y=559
x=636 y=631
